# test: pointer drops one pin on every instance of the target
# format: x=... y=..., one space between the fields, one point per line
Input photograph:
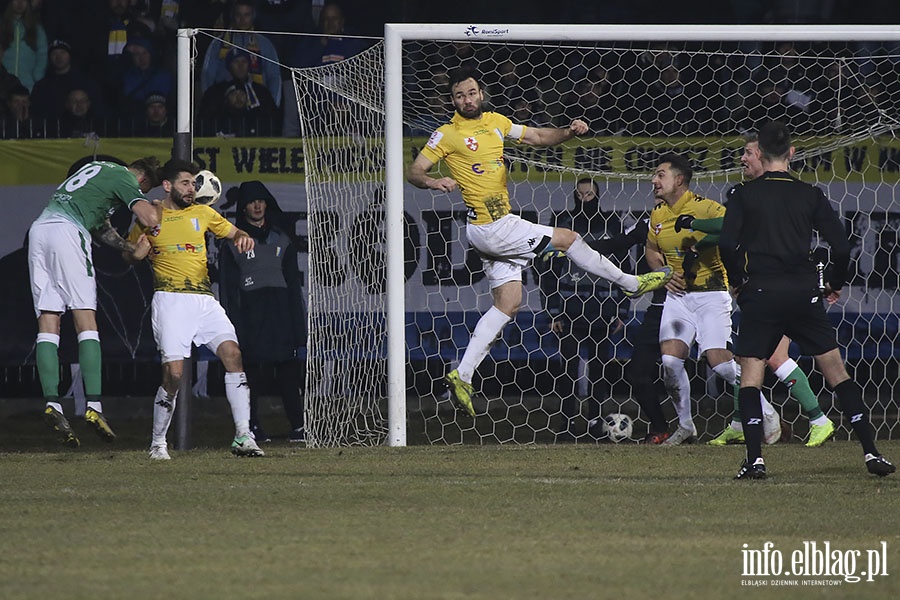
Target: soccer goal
x=394 y=290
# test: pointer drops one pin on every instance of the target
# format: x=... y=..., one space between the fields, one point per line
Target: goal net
x=378 y=245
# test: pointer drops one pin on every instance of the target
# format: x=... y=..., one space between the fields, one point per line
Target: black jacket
x=261 y=290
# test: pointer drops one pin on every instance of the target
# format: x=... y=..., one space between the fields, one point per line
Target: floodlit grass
x=418 y=523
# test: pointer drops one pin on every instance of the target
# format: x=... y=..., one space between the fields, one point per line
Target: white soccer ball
x=207 y=188
x=617 y=427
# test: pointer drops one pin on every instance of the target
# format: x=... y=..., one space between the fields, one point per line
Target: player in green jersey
x=63 y=278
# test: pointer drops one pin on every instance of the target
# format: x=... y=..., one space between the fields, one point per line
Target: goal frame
x=394 y=36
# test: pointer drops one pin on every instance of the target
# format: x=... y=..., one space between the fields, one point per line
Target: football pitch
x=438 y=522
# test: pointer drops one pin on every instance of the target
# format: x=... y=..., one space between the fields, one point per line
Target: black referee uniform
x=766 y=244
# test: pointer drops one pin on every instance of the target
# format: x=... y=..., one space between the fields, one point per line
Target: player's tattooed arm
x=107 y=234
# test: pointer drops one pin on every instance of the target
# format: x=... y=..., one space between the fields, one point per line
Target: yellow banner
x=36 y=162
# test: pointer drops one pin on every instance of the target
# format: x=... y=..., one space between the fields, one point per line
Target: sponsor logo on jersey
x=434 y=139
x=471 y=143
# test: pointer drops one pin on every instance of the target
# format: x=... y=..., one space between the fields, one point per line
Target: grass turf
x=426 y=522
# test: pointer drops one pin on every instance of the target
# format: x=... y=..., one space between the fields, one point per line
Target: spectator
x=17 y=123
x=332 y=46
x=593 y=100
x=262 y=295
x=8 y=81
x=240 y=105
x=108 y=54
x=261 y=52
x=584 y=309
x=48 y=98
x=292 y=16
x=143 y=78
x=78 y=118
x=318 y=51
x=24 y=42
x=768 y=103
x=156 y=122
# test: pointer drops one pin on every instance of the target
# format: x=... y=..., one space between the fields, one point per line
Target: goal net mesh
x=640 y=100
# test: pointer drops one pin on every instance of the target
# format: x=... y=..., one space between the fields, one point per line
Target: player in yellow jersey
x=184 y=310
x=471 y=146
x=698 y=308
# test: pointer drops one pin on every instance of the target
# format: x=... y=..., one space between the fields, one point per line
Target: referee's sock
x=751 y=419
x=853 y=407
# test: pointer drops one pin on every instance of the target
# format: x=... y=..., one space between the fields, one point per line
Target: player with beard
x=184 y=308
x=471 y=145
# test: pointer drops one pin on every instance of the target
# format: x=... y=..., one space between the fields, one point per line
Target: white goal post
x=397 y=34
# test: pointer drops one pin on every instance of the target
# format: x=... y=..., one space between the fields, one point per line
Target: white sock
x=489 y=326
x=57 y=406
x=730 y=371
x=163 y=409
x=679 y=386
x=96 y=405
x=593 y=262
x=238 y=393
x=820 y=420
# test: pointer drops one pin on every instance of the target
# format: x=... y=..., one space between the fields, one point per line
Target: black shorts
x=769 y=312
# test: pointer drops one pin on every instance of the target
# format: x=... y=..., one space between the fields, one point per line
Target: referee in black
x=765 y=244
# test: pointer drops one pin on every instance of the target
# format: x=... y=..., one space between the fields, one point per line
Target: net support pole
x=183 y=150
x=395 y=302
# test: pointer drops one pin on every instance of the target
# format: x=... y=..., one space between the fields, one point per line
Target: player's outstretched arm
x=550 y=136
x=417 y=174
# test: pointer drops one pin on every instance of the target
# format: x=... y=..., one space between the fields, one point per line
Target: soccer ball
x=617 y=427
x=207 y=188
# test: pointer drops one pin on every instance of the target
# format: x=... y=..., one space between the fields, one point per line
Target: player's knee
x=230 y=355
x=563 y=238
x=672 y=367
x=727 y=370
x=172 y=374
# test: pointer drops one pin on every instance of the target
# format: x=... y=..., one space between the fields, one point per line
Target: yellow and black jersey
x=473 y=151
x=710 y=270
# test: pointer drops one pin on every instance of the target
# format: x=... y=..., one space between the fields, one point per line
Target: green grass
x=425 y=522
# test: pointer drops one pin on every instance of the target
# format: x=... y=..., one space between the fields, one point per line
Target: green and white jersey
x=92 y=194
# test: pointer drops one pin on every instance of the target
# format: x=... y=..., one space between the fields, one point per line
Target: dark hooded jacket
x=261 y=290
x=583 y=299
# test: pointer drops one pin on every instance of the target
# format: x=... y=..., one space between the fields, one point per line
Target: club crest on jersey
x=471 y=143
x=657 y=228
x=196 y=224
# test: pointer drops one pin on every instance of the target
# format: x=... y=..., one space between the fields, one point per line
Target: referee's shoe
x=757 y=470
x=647 y=282
x=879 y=465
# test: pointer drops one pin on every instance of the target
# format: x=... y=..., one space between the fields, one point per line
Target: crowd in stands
x=107 y=67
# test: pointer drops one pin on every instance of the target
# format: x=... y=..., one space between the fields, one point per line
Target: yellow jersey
x=178 y=252
x=473 y=151
x=710 y=270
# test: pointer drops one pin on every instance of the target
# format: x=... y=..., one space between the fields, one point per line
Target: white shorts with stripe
x=701 y=316
x=507 y=245
x=182 y=319
x=61 y=266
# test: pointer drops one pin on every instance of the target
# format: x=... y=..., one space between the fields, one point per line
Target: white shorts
x=182 y=319
x=507 y=245
x=61 y=267
x=701 y=316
